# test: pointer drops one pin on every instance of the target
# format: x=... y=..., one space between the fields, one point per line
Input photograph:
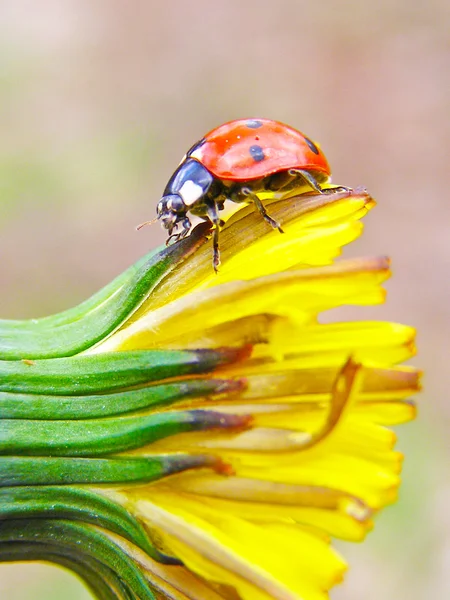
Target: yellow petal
x=330 y=511
x=246 y=233
x=301 y=295
x=263 y=562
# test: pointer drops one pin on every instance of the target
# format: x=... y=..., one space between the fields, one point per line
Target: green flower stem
x=24 y=470
x=77 y=329
x=77 y=504
x=95 y=437
x=102 y=581
x=82 y=540
x=34 y=406
x=97 y=373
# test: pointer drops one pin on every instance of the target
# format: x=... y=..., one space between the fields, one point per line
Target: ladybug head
x=171 y=210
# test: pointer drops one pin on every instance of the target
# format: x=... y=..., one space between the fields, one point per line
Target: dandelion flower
x=192 y=435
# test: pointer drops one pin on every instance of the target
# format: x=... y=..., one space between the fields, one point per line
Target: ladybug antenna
x=146 y=223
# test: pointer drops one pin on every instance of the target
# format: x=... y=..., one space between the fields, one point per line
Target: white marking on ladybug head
x=197 y=154
x=190 y=192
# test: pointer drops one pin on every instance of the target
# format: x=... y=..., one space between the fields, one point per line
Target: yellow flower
x=296 y=449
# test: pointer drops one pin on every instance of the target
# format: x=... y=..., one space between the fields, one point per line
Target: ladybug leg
x=173 y=238
x=306 y=175
x=213 y=215
x=186 y=224
x=338 y=190
x=171 y=235
x=259 y=205
x=179 y=235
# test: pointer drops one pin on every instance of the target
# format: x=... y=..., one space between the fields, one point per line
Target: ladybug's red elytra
x=237 y=161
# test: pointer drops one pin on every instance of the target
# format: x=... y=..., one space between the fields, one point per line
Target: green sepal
x=102 y=581
x=25 y=470
x=38 y=406
x=96 y=437
x=82 y=540
x=107 y=372
x=76 y=504
x=77 y=329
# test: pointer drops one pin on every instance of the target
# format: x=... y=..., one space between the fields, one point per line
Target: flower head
x=222 y=432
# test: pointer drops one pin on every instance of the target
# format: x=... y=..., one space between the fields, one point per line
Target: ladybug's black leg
x=173 y=238
x=186 y=224
x=259 y=205
x=337 y=190
x=213 y=215
x=308 y=178
x=171 y=235
x=179 y=235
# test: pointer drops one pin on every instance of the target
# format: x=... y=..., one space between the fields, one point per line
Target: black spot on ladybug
x=257 y=153
x=254 y=124
x=312 y=145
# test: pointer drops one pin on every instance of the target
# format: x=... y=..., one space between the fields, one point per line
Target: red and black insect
x=236 y=162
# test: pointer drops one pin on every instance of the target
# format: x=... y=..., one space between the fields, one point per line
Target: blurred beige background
x=100 y=99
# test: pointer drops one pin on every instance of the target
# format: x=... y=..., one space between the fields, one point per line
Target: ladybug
x=236 y=162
